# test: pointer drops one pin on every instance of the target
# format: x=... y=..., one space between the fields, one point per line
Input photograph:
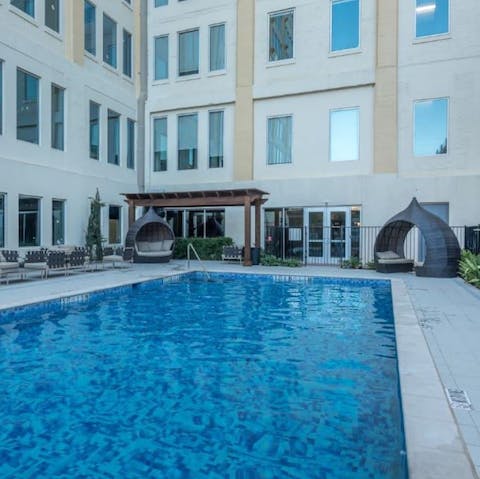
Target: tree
x=93 y=237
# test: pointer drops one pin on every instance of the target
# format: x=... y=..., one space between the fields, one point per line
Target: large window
x=52 y=14
x=58 y=222
x=58 y=117
x=431 y=127
x=27 y=107
x=345 y=25
x=127 y=53
x=1 y=97
x=187 y=142
x=161 y=57
x=90 y=28
x=113 y=138
x=217 y=47
x=94 y=130
x=188 y=53
x=27 y=6
x=431 y=17
x=114 y=224
x=281 y=36
x=204 y=223
x=28 y=221
x=279 y=140
x=215 y=143
x=344 y=134
x=160 y=144
x=2 y=220
x=130 y=144
x=109 y=41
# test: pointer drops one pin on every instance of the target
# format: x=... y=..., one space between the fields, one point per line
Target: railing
x=190 y=247
x=332 y=245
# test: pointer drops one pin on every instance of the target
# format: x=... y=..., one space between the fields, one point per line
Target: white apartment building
x=343 y=110
x=68 y=114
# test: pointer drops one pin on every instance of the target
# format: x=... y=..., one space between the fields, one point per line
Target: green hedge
x=207 y=248
x=470 y=268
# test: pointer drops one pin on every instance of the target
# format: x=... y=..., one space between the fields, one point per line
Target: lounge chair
x=232 y=253
x=9 y=264
x=391 y=262
x=36 y=260
x=154 y=251
x=119 y=256
x=76 y=259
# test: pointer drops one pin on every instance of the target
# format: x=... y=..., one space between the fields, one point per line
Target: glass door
x=339 y=238
x=314 y=219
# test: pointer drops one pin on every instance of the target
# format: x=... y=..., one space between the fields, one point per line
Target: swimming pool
x=242 y=377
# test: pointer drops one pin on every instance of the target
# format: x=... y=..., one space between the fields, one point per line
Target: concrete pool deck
x=438 y=337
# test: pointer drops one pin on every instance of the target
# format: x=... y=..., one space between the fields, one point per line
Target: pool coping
x=435 y=448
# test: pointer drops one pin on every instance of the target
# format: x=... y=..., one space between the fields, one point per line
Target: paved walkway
x=447 y=310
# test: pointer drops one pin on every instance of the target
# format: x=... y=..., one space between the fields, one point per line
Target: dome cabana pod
x=151 y=238
x=442 y=248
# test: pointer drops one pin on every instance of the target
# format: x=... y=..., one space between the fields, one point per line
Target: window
x=109 y=41
x=27 y=6
x=28 y=221
x=90 y=28
x=52 y=15
x=58 y=114
x=160 y=137
x=279 y=140
x=2 y=220
x=1 y=97
x=160 y=144
x=113 y=156
x=58 y=222
x=344 y=134
x=217 y=47
x=187 y=142
x=431 y=17
x=345 y=25
x=161 y=57
x=130 y=144
x=27 y=107
x=431 y=127
x=215 y=144
x=205 y=223
x=188 y=53
x=127 y=53
x=161 y=3
x=281 y=36
x=94 y=130
x=114 y=224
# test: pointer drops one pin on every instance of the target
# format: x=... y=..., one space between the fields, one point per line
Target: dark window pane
x=127 y=53
x=113 y=138
x=160 y=144
x=90 y=28
x=187 y=142
x=27 y=107
x=52 y=14
x=58 y=110
x=28 y=222
x=188 y=53
x=114 y=224
x=2 y=220
x=109 y=41
x=215 y=159
x=281 y=36
x=58 y=222
x=27 y=6
x=94 y=130
x=161 y=57
x=130 y=144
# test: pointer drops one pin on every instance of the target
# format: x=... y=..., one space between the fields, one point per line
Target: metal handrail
x=192 y=248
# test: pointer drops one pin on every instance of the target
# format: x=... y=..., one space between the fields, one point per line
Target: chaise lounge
x=391 y=262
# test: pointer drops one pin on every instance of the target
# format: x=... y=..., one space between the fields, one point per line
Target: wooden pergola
x=220 y=198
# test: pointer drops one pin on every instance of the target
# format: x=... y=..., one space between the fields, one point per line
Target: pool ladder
x=190 y=248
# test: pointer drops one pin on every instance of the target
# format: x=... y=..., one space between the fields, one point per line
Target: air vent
x=458 y=399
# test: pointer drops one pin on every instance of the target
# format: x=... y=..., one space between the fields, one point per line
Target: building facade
x=343 y=110
x=68 y=118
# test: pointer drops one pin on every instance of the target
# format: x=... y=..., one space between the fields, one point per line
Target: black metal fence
x=332 y=245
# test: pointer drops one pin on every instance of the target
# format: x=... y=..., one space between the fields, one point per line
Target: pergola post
x=131 y=214
x=258 y=205
x=247 y=256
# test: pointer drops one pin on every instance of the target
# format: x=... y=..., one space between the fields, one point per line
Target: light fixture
x=429 y=8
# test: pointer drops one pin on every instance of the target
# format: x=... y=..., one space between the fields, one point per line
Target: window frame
x=273 y=117
x=38 y=232
x=114 y=115
x=447 y=128
x=3 y=218
x=335 y=110
x=294 y=26
x=193 y=74
x=39 y=106
x=120 y=224
x=29 y=16
x=155 y=79
x=104 y=51
x=345 y=51
x=432 y=36
x=99 y=116
x=195 y=163
x=2 y=76
x=59 y=15
x=129 y=58
x=130 y=138
x=218 y=71
x=211 y=112
x=94 y=7
x=52 y=123
x=154 y=119
x=64 y=222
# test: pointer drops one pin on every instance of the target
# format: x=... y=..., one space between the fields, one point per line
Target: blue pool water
x=240 y=377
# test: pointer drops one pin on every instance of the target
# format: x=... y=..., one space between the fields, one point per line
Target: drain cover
x=458 y=399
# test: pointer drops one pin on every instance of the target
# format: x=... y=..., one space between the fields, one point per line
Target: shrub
x=207 y=248
x=352 y=263
x=469 y=267
x=270 y=260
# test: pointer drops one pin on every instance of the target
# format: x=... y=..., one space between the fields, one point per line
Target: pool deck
x=438 y=340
